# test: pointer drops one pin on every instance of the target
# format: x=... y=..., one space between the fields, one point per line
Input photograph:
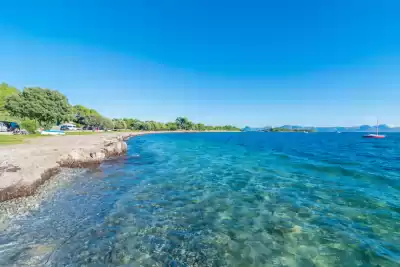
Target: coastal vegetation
x=181 y=123
x=45 y=106
x=6 y=91
x=35 y=107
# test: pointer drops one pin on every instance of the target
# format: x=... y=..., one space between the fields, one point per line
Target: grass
x=19 y=139
x=16 y=139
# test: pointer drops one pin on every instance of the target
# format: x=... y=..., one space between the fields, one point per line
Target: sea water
x=222 y=199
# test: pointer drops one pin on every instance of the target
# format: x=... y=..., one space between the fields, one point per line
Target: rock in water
x=82 y=158
x=115 y=148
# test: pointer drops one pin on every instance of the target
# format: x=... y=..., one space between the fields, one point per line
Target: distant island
x=280 y=129
x=277 y=129
x=297 y=128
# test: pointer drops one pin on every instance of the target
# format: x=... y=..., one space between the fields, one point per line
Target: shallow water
x=223 y=199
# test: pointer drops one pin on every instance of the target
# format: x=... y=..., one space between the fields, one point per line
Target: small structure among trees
x=35 y=106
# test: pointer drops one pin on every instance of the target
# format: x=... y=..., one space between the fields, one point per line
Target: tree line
x=181 y=123
x=38 y=107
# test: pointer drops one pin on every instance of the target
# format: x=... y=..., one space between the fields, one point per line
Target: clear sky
x=322 y=63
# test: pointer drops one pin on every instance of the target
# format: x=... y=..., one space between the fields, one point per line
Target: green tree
x=90 y=117
x=171 y=126
x=6 y=91
x=161 y=126
x=43 y=105
x=200 y=127
x=189 y=126
x=128 y=122
x=80 y=114
x=180 y=122
x=29 y=125
x=106 y=123
x=145 y=126
x=119 y=124
x=136 y=125
x=155 y=126
x=150 y=126
x=86 y=116
x=183 y=123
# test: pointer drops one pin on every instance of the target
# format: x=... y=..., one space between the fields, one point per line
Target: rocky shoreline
x=14 y=170
x=82 y=159
x=25 y=167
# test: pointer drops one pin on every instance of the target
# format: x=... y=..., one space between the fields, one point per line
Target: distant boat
x=337 y=132
x=377 y=135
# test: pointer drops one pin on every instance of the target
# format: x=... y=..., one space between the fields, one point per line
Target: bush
x=29 y=125
x=119 y=124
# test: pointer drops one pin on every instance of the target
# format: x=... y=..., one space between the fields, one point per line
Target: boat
x=375 y=136
x=378 y=136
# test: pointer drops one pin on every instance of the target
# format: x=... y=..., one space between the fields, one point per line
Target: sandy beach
x=24 y=167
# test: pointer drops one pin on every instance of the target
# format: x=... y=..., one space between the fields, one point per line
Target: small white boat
x=52 y=132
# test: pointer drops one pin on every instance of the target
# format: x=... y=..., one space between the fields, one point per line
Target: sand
x=24 y=167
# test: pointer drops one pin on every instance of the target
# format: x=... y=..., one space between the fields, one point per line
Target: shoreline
x=25 y=167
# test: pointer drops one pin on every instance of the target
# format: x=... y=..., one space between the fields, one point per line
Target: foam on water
x=223 y=199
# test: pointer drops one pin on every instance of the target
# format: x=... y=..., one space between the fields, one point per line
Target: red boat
x=373 y=136
x=377 y=135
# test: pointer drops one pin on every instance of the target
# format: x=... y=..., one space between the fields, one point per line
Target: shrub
x=119 y=124
x=29 y=125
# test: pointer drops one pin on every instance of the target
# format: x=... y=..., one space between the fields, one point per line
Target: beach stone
x=80 y=158
x=115 y=149
x=109 y=142
x=83 y=158
x=98 y=156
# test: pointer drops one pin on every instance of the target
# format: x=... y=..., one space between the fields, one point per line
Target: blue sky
x=220 y=62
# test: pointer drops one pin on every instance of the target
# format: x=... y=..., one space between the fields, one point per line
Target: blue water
x=223 y=199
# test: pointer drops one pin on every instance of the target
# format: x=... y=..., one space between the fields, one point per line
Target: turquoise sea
x=223 y=199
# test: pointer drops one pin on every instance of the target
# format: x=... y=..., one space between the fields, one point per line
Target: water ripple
x=245 y=199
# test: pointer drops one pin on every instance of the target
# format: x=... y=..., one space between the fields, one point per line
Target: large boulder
x=81 y=158
x=115 y=148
